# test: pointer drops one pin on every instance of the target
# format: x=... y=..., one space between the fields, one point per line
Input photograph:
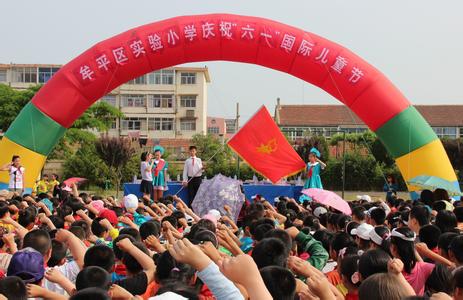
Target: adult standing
x=159 y=171
x=192 y=173
x=16 y=172
x=146 y=186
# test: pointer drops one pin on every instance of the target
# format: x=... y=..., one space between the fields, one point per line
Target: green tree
x=11 y=103
x=217 y=157
x=314 y=141
x=115 y=152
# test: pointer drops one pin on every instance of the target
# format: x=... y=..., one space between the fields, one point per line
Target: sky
x=418 y=44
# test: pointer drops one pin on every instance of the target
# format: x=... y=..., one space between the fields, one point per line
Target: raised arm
x=5 y=167
x=143 y=259
x=75 y=245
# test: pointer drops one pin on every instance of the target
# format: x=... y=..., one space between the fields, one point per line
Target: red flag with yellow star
x=262 y=145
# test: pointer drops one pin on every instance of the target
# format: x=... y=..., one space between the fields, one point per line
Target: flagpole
x=194 y=175
x=237 y=126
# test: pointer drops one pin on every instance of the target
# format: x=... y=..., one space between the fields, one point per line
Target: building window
x=188 y=101
x=110 y=99
x=231 y=126
x=188 y=125
x=154 y=124
x=213 y=130
x=132 y=123
x=133 y=101
x=161 y=77
x=138 y=80
x=2 y=75
x=161 y=124
x=188 y=78
x=26 y=75
x=45 y=74
x=167 y=124
x=446 y=132
x=114 y=124
x=161 y=100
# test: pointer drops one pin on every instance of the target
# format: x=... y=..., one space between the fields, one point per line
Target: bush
x=362 y=173
x=86 y=163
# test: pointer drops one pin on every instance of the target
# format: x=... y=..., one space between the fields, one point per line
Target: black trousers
x=193 y=187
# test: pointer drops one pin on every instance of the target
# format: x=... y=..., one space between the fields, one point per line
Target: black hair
x=260 y=231
x=181 y=289
x=359 y=212
x=171 y=219
x=91 y=293
x=143 y=156
x=151 y=227
x=14 y=157
x=341 y=240
x=456 y=246
x=350 y=265
x=131 y=231
x=438 y=280
x=378 y=215
x=333 y=219
x=58 y=253
x=441 y=194
x=282 y=236
x=100 y=256
x=3 y=208
x=93 y=276
x=26 y=217
x=458 y=211
x=204 y=235
x=12 y=287
x=383 y=233
x=458 y=278
x=429 y=234
x=446 y=221
x=84 y=231
x=118 y=253
x=444 y=241
x=373 y=261
x=350 y=226
x=130 y=262
x=312 y=222
x=57 y=221
x=192 y=147
x=405 y=249
x=421 y=214
x=270 y=252
x=439 y=205
x=324 y=237
x=97 y=228
x=427 y=197
x=167 y=268
x=343 y=220
x=257 y=223
x=280 y=282
x=39 y=240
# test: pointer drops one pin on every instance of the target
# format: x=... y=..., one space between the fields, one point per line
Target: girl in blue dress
x=314 y=167
x=159 y=170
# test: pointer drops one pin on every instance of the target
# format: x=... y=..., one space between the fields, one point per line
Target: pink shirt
x=417 y=278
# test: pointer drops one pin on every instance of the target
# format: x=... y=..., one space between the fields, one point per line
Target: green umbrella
x=433 y=182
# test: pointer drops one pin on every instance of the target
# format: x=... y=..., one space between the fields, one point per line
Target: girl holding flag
x=314 y=167
x=159 y=173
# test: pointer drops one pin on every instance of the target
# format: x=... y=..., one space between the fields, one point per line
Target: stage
x=267 y=190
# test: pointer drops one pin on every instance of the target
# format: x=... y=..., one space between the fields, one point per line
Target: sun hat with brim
x=27 y=264
x=363 y=231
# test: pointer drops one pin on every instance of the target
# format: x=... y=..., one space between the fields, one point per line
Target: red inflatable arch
x=178 y=40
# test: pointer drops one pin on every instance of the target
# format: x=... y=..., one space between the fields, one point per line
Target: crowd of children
x=74 y=245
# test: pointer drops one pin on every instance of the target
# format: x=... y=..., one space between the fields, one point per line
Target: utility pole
x=237 y=126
